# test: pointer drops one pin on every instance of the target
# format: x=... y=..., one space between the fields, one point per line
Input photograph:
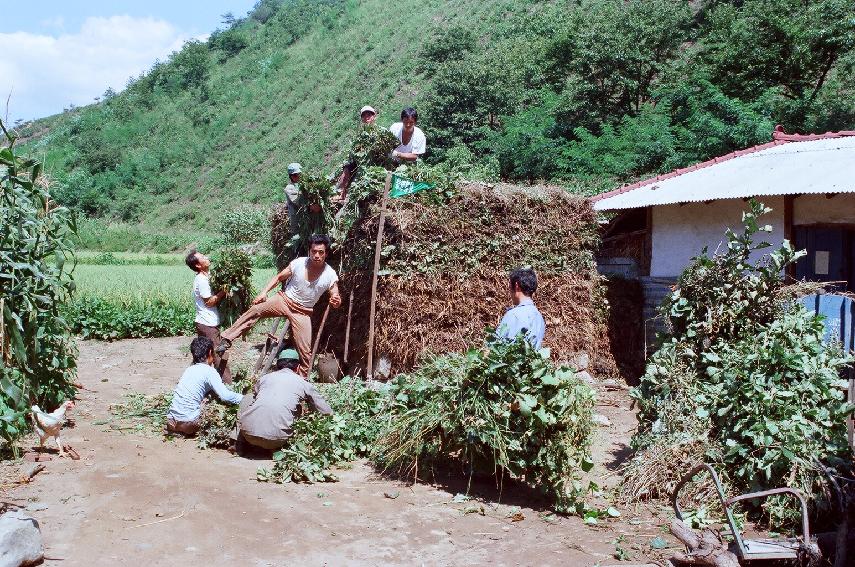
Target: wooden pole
x=377 y=249
x=318 y=339
x=347 y=329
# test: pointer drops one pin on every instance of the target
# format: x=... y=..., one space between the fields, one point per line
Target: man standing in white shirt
x=413 y=141
x=207 y=316
x=305 y=280
x=196 y=382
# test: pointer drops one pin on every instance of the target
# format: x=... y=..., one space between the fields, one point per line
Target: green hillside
x=584 y=92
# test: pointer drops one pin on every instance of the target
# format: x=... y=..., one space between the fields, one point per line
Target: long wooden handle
x=347 y=329
x=318 y=338
x=377 y=250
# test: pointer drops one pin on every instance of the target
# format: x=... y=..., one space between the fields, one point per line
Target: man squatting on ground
x=207 y=315
x=196 y=383
x=267 y=415
x=305 y=280
x=523 y=317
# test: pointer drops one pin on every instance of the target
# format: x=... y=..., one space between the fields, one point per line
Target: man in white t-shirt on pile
x=207 y=316
x=413 y=141
x=305 y=280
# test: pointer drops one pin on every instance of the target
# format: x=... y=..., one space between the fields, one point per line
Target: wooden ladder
x=272 y=345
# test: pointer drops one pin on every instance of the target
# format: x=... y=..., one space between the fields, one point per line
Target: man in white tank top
x=306 y=279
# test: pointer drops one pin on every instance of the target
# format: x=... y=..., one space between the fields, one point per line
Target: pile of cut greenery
x=504 y=410
x=322 y=442
x=744 y=382
x=139 y=413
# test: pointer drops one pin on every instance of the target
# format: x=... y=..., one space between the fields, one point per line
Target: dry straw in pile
x=445 y=267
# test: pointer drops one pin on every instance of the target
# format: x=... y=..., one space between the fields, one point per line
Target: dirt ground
x=142 y=500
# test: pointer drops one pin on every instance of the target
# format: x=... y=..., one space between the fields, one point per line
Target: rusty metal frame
x=727 y=503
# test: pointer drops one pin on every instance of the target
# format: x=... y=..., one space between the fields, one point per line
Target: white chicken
x=50 y=424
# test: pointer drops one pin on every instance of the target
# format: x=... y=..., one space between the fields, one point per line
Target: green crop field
x=135 y=301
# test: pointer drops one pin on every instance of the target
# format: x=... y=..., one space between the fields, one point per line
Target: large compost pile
x=444 y=269
x=446 y=255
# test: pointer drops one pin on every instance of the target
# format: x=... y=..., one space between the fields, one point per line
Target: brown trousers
x=221 y=364
x=279 y=306
x=187 y=428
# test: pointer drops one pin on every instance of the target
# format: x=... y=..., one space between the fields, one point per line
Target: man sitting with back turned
x=523 y=318
x=196 y=383
x=305 y=280
x=266 y=416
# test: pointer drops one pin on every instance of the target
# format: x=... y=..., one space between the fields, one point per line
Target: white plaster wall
x=812 y=209
x=681 y=232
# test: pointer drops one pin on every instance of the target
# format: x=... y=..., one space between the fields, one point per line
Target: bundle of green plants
x=373 y=147
x=231 y=271
x=320 y=443
x=505 y=411
x=38 y=355
x=218 y=420
x=744 y=381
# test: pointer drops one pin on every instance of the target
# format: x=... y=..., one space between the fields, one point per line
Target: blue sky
x=61 y=52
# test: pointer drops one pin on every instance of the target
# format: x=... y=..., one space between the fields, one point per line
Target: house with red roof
x=660 y=224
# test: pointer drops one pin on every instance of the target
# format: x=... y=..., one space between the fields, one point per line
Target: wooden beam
x=648 y=242
x=377 y=249
x=790 y=271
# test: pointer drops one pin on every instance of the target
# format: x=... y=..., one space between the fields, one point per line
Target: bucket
x=328 y=368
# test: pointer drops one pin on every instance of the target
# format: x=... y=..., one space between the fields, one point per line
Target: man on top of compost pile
x=196 y=382
x=303 y=281
x=367 y=116
x=266 y=416
x=413 y=141
x=523 y=317
x=207 y=316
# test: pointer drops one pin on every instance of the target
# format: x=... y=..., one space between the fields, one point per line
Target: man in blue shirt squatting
x=523 y=317
x=197 y=382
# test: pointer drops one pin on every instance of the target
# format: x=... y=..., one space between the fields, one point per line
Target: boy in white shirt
x=413 y=141
x=306 y=279
x=207 y=316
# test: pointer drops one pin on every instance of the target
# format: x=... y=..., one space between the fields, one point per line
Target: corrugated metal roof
x=789 y=165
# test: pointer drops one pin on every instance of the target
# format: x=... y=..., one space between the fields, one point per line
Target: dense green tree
x=789 y=46
x=609 y=55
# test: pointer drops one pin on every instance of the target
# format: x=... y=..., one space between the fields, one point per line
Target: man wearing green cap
x=292 y=195
x=266 y=416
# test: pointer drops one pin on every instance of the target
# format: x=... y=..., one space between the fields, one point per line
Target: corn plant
x=37 y=348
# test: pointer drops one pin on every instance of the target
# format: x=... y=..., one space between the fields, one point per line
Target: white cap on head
x=294 y=168
x=367 y=108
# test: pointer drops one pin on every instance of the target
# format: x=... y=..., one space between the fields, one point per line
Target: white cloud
x=57 y=22
x=45 y=73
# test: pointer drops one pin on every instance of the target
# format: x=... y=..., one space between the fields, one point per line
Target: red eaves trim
x=778 y=137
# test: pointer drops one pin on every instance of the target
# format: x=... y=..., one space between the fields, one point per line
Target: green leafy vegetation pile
x=231 y=272
x=38 y=356
x=139 y=413
x=505 y=411
x=601 y=91
x=444 y=268
x=744 y=382
x=322 y=442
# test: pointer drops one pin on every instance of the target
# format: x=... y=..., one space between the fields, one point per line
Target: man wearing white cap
x=367 y=115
